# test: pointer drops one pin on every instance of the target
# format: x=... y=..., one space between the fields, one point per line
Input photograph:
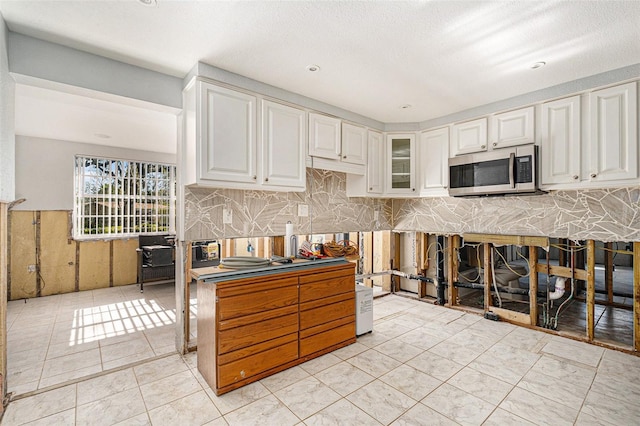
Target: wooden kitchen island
x=254 y=323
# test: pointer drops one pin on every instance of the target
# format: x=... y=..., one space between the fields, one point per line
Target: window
x=116 y=198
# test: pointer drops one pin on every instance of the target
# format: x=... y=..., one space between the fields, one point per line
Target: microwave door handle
x=512 y=179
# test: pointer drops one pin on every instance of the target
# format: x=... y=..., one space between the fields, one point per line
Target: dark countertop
x=217 y=273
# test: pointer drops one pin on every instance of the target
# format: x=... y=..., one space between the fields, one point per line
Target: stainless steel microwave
x=503 y=171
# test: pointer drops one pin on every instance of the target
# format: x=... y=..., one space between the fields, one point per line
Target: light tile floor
x=54 y=339
x=422 y=365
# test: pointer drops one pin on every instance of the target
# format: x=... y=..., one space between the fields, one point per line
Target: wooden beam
x=4 y=271
x=453 y=242
x=636 y=296
x=510 y=316
x=533 y=285
x=591 y=288
x=422 y=260
x=367 y=257
x=278 y=245
x=488 y=278
x=562 y=254
x=187 y=294
x=395 y=245
x=561 y=271
x=608 y=270
x=507 y=239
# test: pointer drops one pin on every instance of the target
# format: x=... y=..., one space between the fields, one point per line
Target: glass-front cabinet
x=401 y=163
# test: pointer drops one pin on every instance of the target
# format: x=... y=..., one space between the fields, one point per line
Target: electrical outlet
x=227 y=216
x=303 y=210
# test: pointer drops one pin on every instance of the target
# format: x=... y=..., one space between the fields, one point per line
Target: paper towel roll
x=288 y=233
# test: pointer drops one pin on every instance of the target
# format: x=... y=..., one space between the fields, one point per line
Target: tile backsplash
x=265 y=213
x=599 y=214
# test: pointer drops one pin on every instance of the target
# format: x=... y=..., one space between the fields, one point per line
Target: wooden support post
x=422 y=260
x=488 y=278
x=453 y=242
x=562 y=252
x=367 y=257
x=636 y=296
x=4 y=248
x=278 y=246
x=187 y=294
x=591 y=288
x=395 y=245
x=533 y=285
x=383 y=252
x=608 y=270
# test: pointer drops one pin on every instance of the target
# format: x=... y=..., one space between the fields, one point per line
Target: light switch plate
x=303 y=210
x=227 y=216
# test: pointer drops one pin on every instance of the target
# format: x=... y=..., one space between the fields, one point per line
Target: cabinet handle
x=266 y=179
x=575 y=177
x=495 y=144
x=344 y=156
x=593 y=175
x=370 y=189
x=255 y=177
x=483 y=146
x=413 y=189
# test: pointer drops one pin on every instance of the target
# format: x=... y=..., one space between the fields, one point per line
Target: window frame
x=111 y=175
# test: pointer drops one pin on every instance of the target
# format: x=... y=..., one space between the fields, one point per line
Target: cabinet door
x=283 y=133
x=324 y=136
x=401 y=163
x=433 y=163
x=614 y=138
x=469 y=137
x=375 y=164
x=512 y=128
x=354 y=144
x=228 y=135
x=560 y=141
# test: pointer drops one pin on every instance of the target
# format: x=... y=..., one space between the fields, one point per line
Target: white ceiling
x=440 y=57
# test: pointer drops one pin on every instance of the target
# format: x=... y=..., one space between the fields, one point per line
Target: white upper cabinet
x=283 y=135
x=375 y=163
x=433 y=167
x=512 y=128
x=324 y=136
x=371 y=184
x=354 y=144
x=469 y=137
x=400 y=154
x=228 y=132
x=613 y=133
x=560 y=142
x=220 y=145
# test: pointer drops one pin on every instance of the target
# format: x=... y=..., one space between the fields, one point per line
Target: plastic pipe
x=559 y=290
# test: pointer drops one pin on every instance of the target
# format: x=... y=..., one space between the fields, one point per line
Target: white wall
x=45 y=168
x=7 y=95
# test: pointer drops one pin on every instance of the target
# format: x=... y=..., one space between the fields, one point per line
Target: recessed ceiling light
x=538 y=65
x=313 y=68
x=405 y=106
x=148 y=2
x=102 y=136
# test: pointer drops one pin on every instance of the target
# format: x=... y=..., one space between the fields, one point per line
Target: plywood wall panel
x=94 y=265
x=57 y=253
x=23 y=254
x=125 y=263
